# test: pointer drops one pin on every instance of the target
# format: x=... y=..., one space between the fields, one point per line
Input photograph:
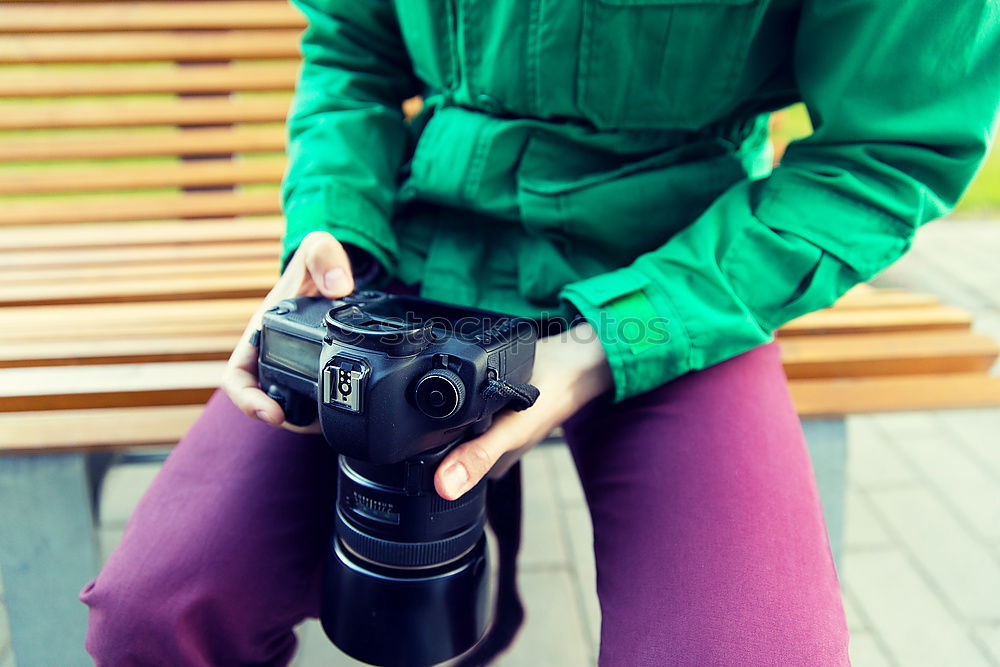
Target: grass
x=981 y=199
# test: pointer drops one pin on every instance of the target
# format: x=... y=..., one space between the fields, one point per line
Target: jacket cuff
x=351 y=219
x=642 y=335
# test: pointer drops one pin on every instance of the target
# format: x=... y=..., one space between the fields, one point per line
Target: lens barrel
x=407 y=575
x=405 y=618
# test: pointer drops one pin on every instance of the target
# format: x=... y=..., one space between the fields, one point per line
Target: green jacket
x=612 y=154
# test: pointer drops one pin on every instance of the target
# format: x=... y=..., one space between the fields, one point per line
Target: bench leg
x=47 y=553
x=827 y=442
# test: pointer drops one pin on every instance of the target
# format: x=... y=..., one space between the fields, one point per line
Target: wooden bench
x=140 y=153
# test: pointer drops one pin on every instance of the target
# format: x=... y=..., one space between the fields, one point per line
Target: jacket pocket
x=659 y=64
x=623 y=210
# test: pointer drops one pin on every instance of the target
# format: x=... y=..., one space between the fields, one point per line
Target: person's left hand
x=570 y=369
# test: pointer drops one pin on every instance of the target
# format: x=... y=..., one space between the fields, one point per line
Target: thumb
x=469 y=462
x=328 y=265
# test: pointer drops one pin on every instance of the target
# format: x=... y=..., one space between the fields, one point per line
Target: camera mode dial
x=440 y=393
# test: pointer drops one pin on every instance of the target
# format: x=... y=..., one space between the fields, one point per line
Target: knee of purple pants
x=135 y=624
x=218 y=561
x=708 y=534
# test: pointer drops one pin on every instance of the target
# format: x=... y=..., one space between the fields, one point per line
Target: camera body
x=390 y=377
x=396 y=382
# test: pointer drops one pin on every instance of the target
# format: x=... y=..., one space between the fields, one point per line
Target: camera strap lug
x=520 y=396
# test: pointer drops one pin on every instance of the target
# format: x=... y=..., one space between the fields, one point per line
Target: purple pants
x=708 y=535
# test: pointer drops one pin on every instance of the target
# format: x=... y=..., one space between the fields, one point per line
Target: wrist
x=578 y=358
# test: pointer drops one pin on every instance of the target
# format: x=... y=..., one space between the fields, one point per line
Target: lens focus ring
x=440 y=393
x=408 y=554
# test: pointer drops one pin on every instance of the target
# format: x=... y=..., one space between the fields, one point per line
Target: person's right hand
x=320 y=266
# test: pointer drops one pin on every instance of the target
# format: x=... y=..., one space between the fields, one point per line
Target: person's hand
x=320 y=266
x=570 y=370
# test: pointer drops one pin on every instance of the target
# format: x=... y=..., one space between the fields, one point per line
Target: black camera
x=396 y=382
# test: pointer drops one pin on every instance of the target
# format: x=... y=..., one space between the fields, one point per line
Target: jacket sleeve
x=903 y=99
x=347 y=138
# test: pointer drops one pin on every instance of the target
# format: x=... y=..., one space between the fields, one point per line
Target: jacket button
x=490 y=104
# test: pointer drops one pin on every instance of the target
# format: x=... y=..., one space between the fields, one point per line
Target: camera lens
x=440 y=393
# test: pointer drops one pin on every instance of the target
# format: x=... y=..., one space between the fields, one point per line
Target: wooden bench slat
x=192 y=382
x=123 y=385
x=139 y=79
x=139 y=143
x=210 y=172
x=824 y=357
x=149 y=46
x=174 y=345
x=55 y=431
x=842 y=321
x=135 y=113
x=819 y=398
x=131 y=330
x=151 y=255
x=100 y=273
x=149 y=319
x=887 y=354
x=124 y=208
x=140 y=233
x=156 y=288
x=177 y=15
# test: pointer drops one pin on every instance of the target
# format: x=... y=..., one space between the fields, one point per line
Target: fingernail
x=264 y=417
x=455 y=478
x=336 y=281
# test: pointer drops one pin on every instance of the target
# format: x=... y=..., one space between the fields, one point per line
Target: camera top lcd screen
x=291 y=352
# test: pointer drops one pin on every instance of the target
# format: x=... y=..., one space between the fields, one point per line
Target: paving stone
x=862 y=527
x=950 y=276
x=316 y=650
x=542 y=544
x=921 y=270
x=866 y=652
x=123 y=486
x=907 y=616
x=871 y=462
x=581 y=542
x=978 y=432
x=108 y=540
x=6 y=653
x=966 y=485
x=563 y=471
x=989 y=638
x=961 y=568
x=855 y=620
x=553 y=631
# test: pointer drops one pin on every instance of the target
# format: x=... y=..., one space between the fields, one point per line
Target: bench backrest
x=178 y=103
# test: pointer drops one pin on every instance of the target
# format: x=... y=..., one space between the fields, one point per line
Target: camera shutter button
x=440 y=393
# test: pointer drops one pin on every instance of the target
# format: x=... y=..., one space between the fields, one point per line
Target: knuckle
x=320 y=255
x=479 y=458
x=312 y=238
x=323 y=242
